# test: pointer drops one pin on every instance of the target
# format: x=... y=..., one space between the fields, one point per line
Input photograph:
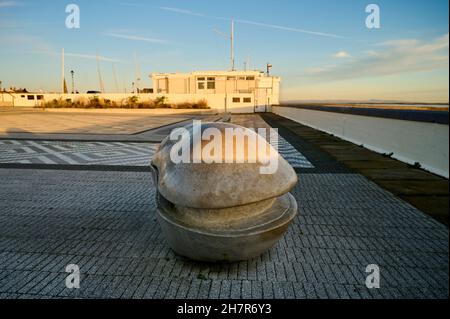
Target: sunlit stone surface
x=223 y=212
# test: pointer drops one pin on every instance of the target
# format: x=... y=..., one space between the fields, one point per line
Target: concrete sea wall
x=410 y=141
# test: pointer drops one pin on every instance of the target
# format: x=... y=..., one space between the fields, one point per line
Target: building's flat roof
x=215 y=73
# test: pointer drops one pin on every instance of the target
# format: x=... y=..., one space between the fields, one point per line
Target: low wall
x=410 y=141
x=234 y=103
x=156 y=112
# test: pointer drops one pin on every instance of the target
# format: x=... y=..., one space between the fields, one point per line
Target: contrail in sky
x=265 y=25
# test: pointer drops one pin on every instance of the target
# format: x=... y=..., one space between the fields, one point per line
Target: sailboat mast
x=115 y=78
x=62 y=72
x=137 y=73
x=102 y=89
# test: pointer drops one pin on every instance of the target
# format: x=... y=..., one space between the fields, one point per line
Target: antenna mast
x=247 y=64
x=231 y=38
x=232 y=45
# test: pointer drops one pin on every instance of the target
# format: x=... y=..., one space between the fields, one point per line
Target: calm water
x=404 y=105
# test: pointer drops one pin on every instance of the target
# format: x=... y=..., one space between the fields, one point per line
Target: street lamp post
x=73 y=81
x=138 y=80
x=269 y=66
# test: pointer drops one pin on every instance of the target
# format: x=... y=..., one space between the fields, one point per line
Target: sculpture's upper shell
x=221 y=185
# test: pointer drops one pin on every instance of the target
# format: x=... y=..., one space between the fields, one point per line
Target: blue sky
x=321 y=49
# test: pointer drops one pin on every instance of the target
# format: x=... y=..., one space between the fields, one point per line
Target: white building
x=233 y=91
x=225 y=91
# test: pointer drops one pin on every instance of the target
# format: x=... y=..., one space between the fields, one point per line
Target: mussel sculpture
x=222 y=212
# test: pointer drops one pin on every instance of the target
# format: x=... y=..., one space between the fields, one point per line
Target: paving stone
x=203 y=290
x=183 y=289
x=267 y=289
x=214 y=292
x=225 y=289
x=246 y=289
x=257 y=290
x=194 y=289
x=172 y=289
x=278 y=292
x=132 y=287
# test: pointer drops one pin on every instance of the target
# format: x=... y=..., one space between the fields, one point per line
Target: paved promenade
x=103 y=220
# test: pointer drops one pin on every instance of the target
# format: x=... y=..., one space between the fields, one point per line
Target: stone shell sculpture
x=222 y=212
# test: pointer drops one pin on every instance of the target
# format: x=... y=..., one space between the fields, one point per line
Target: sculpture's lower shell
x=227 y=245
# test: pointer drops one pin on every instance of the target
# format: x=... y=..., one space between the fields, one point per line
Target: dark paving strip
x=169 y=126
x=158 y=134
x=424 y=190
x=59 y=167
x=321 y=170
x=322 y=161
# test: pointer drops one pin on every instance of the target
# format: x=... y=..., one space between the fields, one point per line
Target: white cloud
x=6 y=4
x=178 y=10
x=78 y=55
x=24 y=42
x=399 y=43
x=91 y=57
x=436 y=45
x=342 y=55
x=135 y=38
x=392 y=57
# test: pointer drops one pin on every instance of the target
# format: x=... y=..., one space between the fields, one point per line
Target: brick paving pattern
x=105 y=223
x=106 y=153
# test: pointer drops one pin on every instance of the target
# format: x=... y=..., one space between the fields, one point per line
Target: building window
x=242 y=78
x=250 y=78
x=40 y=97
x=231 y=78
x=201 y=83
x=206 y=83
x=236 y=100
x=211 y=84
x=247 y=100
x=31 y=97
x=22 y=96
